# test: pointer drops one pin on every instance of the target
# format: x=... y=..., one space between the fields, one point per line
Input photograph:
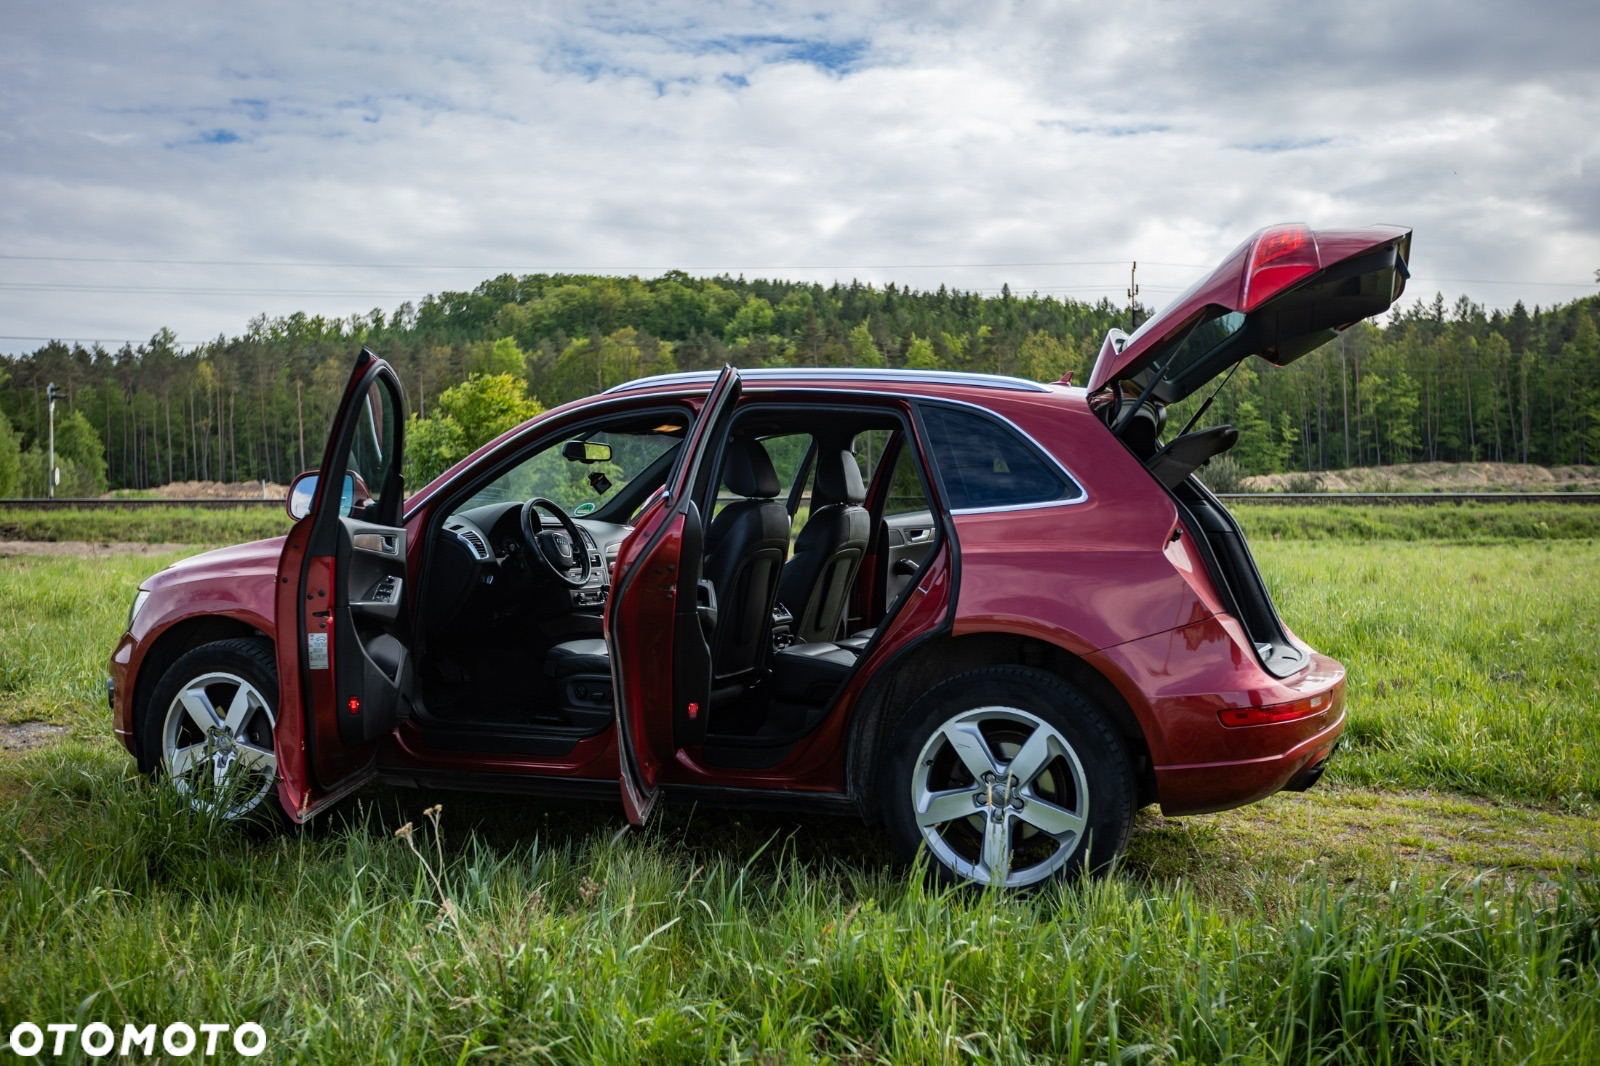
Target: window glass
x=372 y=449
x=984 y=464
x=906 y=494
x=1218 y=326
x=573 y=477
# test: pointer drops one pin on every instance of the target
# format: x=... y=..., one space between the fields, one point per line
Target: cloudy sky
x=191 y=165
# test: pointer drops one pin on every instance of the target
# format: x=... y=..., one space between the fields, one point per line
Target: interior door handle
x=917 y=536
x=378 y=543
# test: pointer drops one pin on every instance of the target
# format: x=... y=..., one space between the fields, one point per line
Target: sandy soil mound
x=218 y=490
x=1435 y=477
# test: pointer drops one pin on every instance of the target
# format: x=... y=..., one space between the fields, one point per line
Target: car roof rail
x=868 y=375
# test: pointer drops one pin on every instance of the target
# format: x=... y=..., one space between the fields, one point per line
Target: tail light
x=1278 y=712
x=1280 y=256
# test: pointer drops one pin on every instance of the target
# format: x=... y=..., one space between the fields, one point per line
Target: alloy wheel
x=1000 y=796
x=217 y=746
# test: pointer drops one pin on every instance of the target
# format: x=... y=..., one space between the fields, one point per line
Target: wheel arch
x=886 y=700
x=172 y=644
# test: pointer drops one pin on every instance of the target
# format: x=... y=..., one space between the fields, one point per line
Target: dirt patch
x=1436 y=477
x=86 y=547
x=214 y=490
x=25 y=736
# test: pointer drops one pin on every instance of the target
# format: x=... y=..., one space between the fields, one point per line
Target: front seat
x=816 y=581
x=744 y=551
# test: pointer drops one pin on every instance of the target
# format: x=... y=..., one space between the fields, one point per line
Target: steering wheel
x=565 y=557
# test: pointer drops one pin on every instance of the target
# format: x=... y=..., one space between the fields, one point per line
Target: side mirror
x=303 y=490
x=583 y=451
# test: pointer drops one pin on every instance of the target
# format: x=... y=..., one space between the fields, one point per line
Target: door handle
x=378 y=543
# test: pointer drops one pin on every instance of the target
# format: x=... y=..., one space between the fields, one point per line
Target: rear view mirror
x=304 y=490
x=583 y=451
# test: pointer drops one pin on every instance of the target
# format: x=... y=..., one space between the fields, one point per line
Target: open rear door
x=660 y=658
x=344 y=668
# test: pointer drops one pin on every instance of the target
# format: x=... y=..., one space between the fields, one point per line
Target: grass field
x=1437 y=899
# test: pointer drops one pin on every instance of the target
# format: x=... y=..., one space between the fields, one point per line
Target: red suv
x=995 y=616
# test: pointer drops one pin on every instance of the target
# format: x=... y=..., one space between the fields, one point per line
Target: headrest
x=747 y=470
x=839 y=478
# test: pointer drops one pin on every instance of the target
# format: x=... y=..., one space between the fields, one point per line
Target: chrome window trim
x=1072 y=501
x=866 y=374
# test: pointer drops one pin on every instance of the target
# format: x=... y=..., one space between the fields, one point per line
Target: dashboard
x=479 y=571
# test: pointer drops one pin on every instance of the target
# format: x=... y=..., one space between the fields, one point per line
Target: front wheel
x=209 y=728
x=1008 y=775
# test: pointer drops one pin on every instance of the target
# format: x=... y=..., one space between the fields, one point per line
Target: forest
x=1430 y=382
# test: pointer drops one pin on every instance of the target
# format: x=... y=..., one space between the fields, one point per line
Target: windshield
x=583 y=473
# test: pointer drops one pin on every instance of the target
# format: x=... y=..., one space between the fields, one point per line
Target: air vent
x=475 y=541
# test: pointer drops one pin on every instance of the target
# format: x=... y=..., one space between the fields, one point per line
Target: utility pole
x=1133 y=295
x=50 y=475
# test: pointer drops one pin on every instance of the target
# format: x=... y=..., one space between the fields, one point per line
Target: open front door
x=660 y=655
x=344 y=670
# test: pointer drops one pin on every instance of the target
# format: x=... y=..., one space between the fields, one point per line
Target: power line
x=565 y=270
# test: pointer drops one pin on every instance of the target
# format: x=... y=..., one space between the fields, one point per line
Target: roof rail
x=864 y=374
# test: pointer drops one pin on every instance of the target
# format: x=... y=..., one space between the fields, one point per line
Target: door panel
x=910 y=537
x=373 y=665
x=344 y=668
x=662 y=681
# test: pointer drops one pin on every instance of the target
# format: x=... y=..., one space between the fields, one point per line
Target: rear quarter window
x=983 y=463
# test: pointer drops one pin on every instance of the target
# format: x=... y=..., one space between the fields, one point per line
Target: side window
x=982 y=463
x=906 y=494
x=373 y=449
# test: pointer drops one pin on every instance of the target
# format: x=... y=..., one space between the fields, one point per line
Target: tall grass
x=356 y=945
x=146 y=525
x=1473 y=669
x=1469 y=523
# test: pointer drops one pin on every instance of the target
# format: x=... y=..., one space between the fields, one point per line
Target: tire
x=226 y=768
x=1068 y=809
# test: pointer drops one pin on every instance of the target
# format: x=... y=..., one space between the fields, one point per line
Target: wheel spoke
x=936 y=807
x=201 y=712
x=260 y=759
x=971 y=748
x=996 y=859
x=1049 y=817
x=239 y=710
x=1037 y=752
x=183 y=760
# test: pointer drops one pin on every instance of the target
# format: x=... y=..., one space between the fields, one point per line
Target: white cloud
x=891 y=142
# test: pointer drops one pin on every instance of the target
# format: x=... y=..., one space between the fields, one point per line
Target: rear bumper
x=1180 y=684
x=1198 y=788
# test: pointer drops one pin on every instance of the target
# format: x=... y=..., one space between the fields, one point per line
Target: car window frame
x=924 y=404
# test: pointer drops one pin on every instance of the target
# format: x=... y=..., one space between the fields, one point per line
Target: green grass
x=1471 y=668
x=1437 y=899
x=146 y=525
x=1472 y=523
x=60 y=617
x=528 y=933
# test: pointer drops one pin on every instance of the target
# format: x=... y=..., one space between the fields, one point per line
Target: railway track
x=1270 y=498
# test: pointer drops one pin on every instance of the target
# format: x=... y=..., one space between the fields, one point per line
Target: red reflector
x=694 y=711
x=1278 y=712
x=1282 y=255
x=354 y=703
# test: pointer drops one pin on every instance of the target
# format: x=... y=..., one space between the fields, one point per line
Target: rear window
x=984 y=464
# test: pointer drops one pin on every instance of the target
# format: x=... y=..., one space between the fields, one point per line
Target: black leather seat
x=581 y=673
x=816 y=581
x=745 y=547
x=744 y=552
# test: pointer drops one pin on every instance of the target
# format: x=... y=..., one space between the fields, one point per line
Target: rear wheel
x=1008 y=775
x=209 y=728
